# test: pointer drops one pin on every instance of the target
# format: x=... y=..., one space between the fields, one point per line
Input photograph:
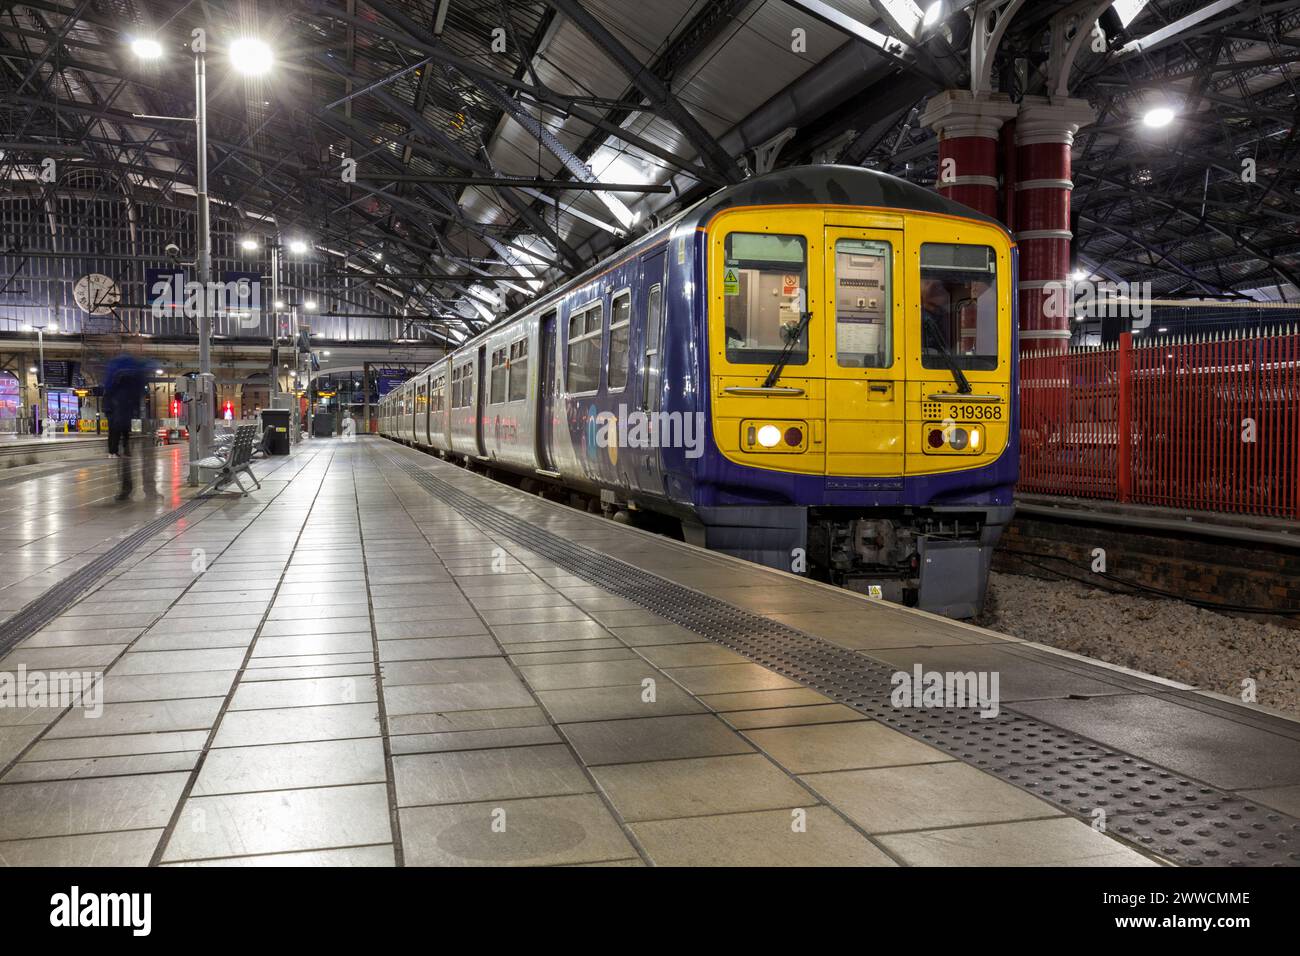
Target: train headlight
x=950 y=438
x=767 y=437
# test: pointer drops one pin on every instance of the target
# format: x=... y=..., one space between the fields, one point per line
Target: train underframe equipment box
x=277 y=421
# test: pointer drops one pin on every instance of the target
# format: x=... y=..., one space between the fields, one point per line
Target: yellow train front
x=860 y=340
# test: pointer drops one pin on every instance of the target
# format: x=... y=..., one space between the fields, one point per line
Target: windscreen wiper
x=794 y=336
x=963 y=385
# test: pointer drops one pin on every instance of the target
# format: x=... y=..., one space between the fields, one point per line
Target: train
x=814 y=369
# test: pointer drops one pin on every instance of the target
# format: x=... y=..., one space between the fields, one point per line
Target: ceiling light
x=309 y=304
x=248 y=245
x=146 y=48
x=1158 y=117
x=932 y=13
x=251 y=56
x=297 y=246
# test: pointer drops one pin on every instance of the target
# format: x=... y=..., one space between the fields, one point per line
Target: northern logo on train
x=600 y=426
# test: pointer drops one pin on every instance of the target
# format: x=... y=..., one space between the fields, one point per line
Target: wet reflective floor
x=342 y=669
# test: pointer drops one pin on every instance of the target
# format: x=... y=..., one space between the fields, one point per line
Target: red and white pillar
x=1045 y=131
x=968 y=127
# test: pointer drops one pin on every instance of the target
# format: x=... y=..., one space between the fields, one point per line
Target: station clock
x=96 y=293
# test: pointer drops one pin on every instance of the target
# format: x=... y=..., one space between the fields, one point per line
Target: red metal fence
x=1210 y=423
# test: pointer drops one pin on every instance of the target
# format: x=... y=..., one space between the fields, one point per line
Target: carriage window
x=620 y=327
x=959 y=306
x=582 y=372
x=458 y=387
x=519 y=370
x=764 y=277
x=498 y=380
x=863 y=305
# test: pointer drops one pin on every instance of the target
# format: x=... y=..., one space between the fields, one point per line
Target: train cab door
x=546 y=392
x=865 y=371
x=650 y=299
x=480 y=403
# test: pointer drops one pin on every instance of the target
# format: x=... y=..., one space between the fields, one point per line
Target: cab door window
x=864 y=328
x=764 y=279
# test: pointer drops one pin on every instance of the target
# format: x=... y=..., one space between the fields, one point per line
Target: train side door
x=480 y=400
x=651 y=300
x=865 y=372
x=546 y=391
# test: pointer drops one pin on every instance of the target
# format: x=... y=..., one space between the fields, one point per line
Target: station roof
x=434 y=98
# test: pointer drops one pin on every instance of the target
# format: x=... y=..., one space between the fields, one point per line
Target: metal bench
x=232 y=462
x=262 y=449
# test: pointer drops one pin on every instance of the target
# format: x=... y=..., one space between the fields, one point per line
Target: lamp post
x=41 y=410
x=251 y=57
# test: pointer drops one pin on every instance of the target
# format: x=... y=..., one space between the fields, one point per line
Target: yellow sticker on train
x=731 y=282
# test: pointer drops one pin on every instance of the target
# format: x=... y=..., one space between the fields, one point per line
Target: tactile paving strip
x=41 y=610
x=1183 y=820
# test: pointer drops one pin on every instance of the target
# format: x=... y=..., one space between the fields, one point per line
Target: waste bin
x=276 y=420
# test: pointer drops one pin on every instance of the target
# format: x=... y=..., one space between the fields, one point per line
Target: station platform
x=380 y=658
x=25 y=456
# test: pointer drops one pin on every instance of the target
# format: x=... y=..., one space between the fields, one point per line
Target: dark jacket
x=123 y=390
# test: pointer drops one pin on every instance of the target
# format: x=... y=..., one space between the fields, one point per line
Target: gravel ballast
x=1170 y=639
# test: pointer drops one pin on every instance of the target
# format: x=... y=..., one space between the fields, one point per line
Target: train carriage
x=814 y=369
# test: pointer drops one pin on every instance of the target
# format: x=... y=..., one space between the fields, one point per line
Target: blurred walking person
x=124 y=384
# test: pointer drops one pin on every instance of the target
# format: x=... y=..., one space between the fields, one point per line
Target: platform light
x=251 y=56
x=248 y=245
x=1158 y=116
x=279 y=303
x=309 y=305
x=297 y=246
x=146 y=48
x=33 y=370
